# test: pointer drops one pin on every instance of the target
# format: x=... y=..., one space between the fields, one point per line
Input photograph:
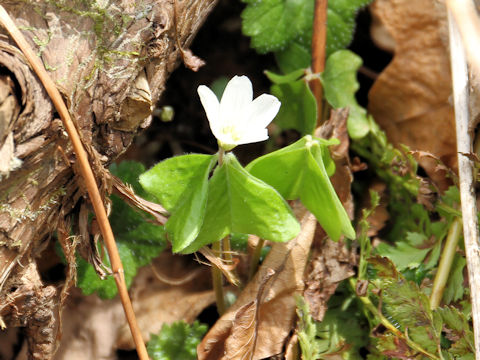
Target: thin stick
x=319 y=46
x=87 y=174
x=446 y=261
x=465 y=170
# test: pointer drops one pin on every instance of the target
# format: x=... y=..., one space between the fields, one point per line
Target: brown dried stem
x=319 y=46
x=87 y=174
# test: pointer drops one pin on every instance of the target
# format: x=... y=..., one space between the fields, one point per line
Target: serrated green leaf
x=273 y=24
x=241 y=203
x=181 y=186
x=285 y=27
x=177 y=341
x=299 y=109
x=406 y=306
x=295 y=56
x=299 y=171
x=459 y=332
x=340 y=85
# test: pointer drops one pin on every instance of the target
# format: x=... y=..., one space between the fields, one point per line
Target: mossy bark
x=110 y=60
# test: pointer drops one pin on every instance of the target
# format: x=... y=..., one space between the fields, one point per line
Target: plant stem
x=465 y=169
x=319 y=45
x=221 y=154
x=255 y=258
x=227 y=250
x=446 y=261
x=88 y=176
x=217 y=280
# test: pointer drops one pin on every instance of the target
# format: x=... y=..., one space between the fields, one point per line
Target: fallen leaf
x=129 y=196
x=96 y=328
x=276 y=309
x=332 y=264
x=410 y=98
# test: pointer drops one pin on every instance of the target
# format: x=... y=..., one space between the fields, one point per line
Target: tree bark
x=110 y=59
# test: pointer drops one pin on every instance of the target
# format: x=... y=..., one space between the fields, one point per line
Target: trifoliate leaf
x=299 y=109
x=340 y=85
x=302 y=170
x=273 y=24
x=240 y=203
x=181 y=185
x=177 y=341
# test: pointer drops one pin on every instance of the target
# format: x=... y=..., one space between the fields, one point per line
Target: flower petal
x=262 y=111
x=254 y=136
x=236 y=100
x=211 y=105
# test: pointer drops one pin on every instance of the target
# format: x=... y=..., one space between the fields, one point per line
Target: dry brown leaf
x=95 y=329
x=276 y=310
x=410 y=99
x=132 y=199
x=332 y=264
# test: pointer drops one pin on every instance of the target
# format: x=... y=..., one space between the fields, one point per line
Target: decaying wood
x=110 y=61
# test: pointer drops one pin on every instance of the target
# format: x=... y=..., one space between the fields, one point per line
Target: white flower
x=236 y=119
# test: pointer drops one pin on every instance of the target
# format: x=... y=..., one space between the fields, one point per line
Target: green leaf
x=295 y=56
x=177 y=341
x=299 y=107
x=138 y=241
x=406 y=306
x=241 y=203
x=302 y=171
x=459 y=332
x=89 y=281
x=406 y=254
x=285 y=27
x=341 y=22
x=454 y=290
x=181 y=185
x=340 y=85
x=273 y=24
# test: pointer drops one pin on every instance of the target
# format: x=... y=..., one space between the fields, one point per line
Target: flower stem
x=446 y=261
x=319 y=43
x=227 y=250
x=255 y=259
x=217 y=280
x=221 y=154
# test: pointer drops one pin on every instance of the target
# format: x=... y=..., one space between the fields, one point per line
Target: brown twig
x=465 y=170
x=319 y=46
x=87 y=174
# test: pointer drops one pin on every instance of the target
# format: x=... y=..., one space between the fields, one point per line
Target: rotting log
x=110 y=60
